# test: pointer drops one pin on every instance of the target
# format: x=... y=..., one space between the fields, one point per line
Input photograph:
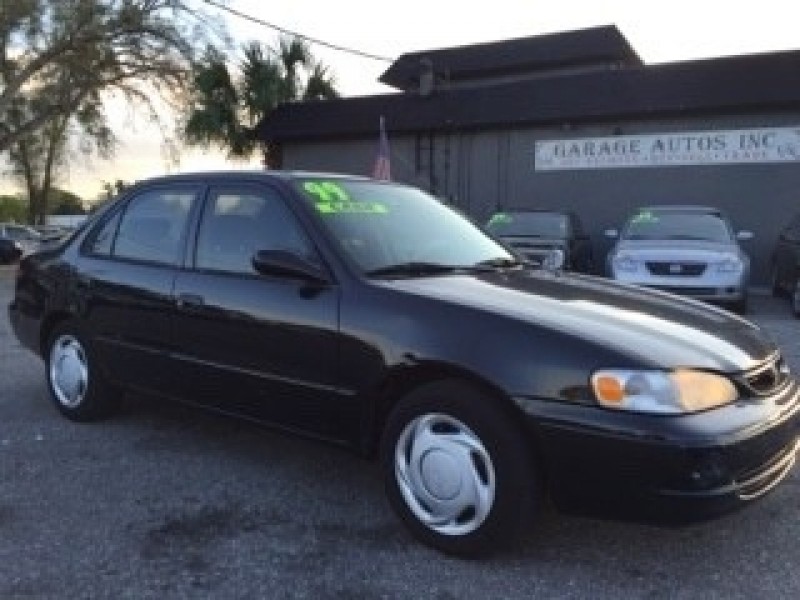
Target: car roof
x=549 y=211
x=247 y=174
x=685 y=208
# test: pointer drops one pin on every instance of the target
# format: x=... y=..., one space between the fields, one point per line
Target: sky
x=659 y=31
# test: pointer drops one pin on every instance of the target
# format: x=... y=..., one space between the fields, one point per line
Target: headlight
x=554 y=259
x=624 y=263
x=730 y=264
x=661 y=392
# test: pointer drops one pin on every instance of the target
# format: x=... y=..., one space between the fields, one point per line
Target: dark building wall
x=481 y=171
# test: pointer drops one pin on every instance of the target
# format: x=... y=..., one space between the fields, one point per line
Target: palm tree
x=224 y=110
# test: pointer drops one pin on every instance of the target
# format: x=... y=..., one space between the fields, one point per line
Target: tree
x=224 y=110
x=56 y=53
x=12 y=208
x=66 y=203
x=113 y=189
x=59 y=57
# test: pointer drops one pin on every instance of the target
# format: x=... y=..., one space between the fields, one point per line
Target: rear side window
x=150 y=229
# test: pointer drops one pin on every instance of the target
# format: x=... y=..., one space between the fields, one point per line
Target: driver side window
x=237 y=223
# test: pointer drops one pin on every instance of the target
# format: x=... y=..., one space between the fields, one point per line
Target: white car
x=687 y=250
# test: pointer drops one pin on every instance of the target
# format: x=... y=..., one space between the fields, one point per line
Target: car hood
x=648 y=326
x=676 y=249
x=523 y=241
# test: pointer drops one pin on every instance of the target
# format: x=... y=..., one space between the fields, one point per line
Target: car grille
x=686 y=290
x=535 y=254
x=676 y=269
x=766 y=378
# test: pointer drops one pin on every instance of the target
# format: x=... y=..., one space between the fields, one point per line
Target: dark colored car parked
x=10 y=251
x=547 y=238
x=370 y=314
x=785 y=264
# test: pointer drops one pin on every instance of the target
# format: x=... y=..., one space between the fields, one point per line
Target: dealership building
x=571 y=121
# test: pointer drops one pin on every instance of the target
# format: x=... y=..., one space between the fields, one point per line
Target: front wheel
x=77 y=386
x=457 y=469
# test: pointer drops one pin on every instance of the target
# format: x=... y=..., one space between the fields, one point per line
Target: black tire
x=498 y=458
x=77 y=385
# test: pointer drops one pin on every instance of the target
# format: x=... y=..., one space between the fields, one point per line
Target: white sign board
x=733 y=146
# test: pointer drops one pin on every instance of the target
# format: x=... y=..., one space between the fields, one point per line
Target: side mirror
x=282 y=263
x=744 y=236
x=611 y=233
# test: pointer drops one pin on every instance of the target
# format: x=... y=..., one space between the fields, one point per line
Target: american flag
x=382 y=169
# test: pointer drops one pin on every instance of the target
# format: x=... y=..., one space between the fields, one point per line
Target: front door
x=259 y=346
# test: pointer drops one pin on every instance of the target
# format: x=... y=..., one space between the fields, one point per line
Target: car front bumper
x=665 y=469
x=726 y=289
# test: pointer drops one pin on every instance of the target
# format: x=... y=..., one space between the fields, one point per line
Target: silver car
x=687 y=250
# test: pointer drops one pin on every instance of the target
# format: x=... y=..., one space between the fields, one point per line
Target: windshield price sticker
x=501 y=218
x=332 y=198
x=645 y=217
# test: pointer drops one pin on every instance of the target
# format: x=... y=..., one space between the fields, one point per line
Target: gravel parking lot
x=168 y=502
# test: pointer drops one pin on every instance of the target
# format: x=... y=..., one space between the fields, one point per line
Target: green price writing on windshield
x=332 y=198
x=326 y=191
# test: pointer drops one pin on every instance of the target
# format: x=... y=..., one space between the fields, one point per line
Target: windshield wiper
x=412 y=269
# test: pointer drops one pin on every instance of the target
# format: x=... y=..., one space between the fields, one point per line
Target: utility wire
x=307 y=38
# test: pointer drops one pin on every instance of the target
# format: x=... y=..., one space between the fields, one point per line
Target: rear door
x=259 y=346
x=125 y=277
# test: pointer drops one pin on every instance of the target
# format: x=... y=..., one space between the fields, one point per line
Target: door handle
x=189 y=300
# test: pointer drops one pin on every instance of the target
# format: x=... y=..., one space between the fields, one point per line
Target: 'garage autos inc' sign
x=735 y=146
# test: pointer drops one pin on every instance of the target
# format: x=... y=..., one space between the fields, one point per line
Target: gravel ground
x=167 y=502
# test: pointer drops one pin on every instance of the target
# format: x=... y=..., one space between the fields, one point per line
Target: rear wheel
x=457 y=470
x=77 y=386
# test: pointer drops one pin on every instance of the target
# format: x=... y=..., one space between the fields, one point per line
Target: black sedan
x=370 y=314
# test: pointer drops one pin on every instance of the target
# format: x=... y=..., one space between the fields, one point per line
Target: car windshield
x=530 y=224
x=382 y=226
x=654 y=225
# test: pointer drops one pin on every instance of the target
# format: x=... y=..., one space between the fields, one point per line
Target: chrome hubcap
x=69 y=371
x=445 y=474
